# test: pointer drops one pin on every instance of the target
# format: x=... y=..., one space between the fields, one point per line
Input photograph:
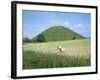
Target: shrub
x=41 y=38
x=26 y=39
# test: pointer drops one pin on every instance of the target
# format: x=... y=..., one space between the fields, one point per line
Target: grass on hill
x=58 y=33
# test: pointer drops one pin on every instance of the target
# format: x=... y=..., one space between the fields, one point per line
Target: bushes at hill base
x=26 y=40
x=41 y=38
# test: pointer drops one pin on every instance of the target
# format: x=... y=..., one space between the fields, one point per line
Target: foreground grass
x=45 y=55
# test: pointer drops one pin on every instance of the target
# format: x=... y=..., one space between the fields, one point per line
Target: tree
x=26 y=39
x=74 y=38
x=41 y=38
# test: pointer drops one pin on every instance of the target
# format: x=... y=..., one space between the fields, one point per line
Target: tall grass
x=33 y=60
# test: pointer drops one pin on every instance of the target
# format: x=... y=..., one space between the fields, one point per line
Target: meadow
x=46 y=55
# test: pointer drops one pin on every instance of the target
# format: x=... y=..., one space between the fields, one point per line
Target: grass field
x=46 y=55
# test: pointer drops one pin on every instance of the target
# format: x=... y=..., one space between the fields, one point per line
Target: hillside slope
x=58 y=33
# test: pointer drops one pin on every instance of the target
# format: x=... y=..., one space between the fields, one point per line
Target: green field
x=46 y=55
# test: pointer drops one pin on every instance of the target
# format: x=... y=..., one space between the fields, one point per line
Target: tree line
x=39 y=38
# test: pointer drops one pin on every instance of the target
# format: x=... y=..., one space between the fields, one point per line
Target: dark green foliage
x=26 y=40
x=58 y=33
x=73 y=38
x=41 y=38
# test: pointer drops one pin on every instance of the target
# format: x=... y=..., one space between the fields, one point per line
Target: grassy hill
x=58 y=33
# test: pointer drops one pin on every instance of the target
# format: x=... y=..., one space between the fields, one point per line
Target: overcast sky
x=34 y=22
